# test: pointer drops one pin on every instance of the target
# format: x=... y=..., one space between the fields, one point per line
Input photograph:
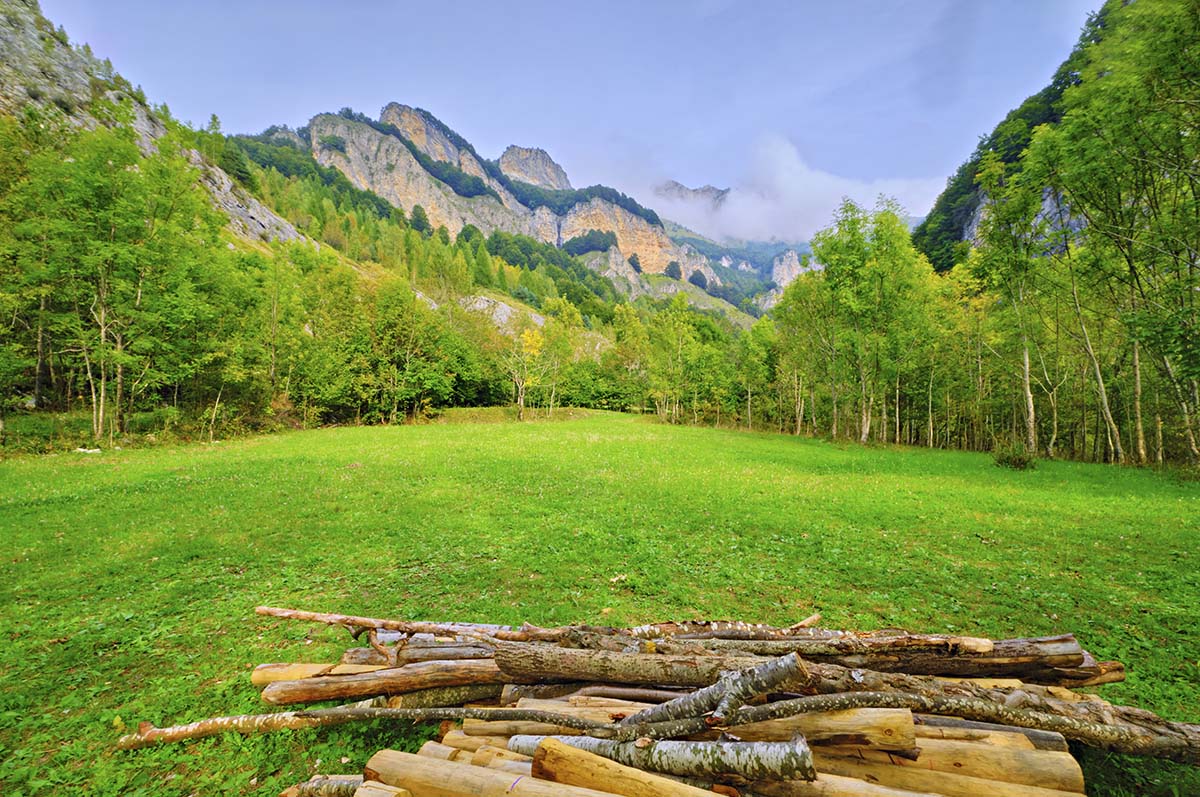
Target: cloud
x=783 y=197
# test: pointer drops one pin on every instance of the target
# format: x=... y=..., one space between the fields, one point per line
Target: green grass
x=128 y=579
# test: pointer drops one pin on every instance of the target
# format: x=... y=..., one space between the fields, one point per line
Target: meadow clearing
x=128 y=579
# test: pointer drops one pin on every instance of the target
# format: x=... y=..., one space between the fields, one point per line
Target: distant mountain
x=676 y=191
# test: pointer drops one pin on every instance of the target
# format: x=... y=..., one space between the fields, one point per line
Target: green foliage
x=563 y=275
x=635 y=262
x=698 y=279
x=940 y=235
x=332 y=142
x=234 y=162
x=1013 y=454
x=673 y=270
x=419 y=221
x=591 y=241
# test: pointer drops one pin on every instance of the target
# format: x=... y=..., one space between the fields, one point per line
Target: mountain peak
x=672 y=189
x=534 y=166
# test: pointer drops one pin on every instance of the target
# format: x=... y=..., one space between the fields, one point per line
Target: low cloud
x=782 y=197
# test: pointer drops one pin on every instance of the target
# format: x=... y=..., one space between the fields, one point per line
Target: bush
x=674 y=271
x=333 y=142
x=1013 y=454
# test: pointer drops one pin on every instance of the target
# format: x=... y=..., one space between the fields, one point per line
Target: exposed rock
x=501 y=313
x=616 y=267
x=709 y=194
x=429 y=137
x=690 y=261
x=533 y=166
x=786 y=267
x=1053 y=213
x=248 y=218
x=634 y=234
x=381 y=163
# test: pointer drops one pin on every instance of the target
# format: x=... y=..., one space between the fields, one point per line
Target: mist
x=782 y=197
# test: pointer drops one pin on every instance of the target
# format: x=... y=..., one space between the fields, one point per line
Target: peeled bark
x=326 y=786
x=943 y=783
x=752 y=760
x=827 y=785
x=408 y=654
x=525 y=633
x=1041 y=740
x=445 y=696
x=432 y=778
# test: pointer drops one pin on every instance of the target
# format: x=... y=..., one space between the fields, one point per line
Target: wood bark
x=432 y=778
x=445 y=696
x=265 y=674
x=326 y=786
x=461 y=741
x=562 y=763
x=526 y=633
x=790 y=760
x=880 y=728
x=445 y=752
x=725 y=696
x=391 y=681
x=1091 y=721
x=408 y=654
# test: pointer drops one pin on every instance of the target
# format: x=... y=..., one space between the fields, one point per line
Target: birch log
x=930 y=780
x=751 y=760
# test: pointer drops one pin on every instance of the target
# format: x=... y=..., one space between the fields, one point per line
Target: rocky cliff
x=786 y=267
x=378 y=161
x=708 y=194
x=533 y=166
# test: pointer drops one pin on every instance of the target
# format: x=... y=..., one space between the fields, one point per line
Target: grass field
x=128 y=579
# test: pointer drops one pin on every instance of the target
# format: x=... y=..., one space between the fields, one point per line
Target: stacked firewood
x=696 y=708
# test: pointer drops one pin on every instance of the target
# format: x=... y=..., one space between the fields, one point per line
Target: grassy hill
x=129 y=578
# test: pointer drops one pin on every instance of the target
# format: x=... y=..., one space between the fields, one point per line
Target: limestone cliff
x=634 y=234
x=709 y=195
x=533 y=166
x=786 y=267
x=430 y=136
x=378 y=162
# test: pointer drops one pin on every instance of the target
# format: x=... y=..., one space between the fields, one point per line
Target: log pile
x=697 y=708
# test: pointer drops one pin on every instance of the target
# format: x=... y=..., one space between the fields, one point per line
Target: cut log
x=444 y=651
x=1088 y=719
x=517 y=727
x=472 y=743
x=827 y=785
x=445 y=696
x=326 y=786
x=988 y=762
x=432 y=749
x=270 y=673
x=431 y=778
x=409 y=678
x=932 y=781
x=999 y=739
x=483 y=755
x=525 y=633
x=751 y=760
x=562 y=763
x=372 y=788
x=515 y=767
x=642 y=695
x=879 y=728
x=1041 y=740
x=542 y=691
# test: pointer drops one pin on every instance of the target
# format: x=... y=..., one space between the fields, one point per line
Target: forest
x=1066 y=328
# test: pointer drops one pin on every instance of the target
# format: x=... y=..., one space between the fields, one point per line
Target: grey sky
x=845 y=97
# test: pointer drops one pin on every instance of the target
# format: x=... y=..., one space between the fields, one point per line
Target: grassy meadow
x=128 y=579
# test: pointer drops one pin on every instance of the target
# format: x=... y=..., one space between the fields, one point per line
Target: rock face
x=533 y=166
x=786 y=267
x=615 y=266
x=502 y=314
x=1054 y=214
x=380 y=162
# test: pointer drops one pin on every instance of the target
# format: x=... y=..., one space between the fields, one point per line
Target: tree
x=674 y=271
x=698 y=279
x=419 y=221
x=635 y=263
x=523 y=361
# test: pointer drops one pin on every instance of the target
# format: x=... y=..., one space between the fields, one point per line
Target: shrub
x=1013 y=454
x=674 y=271
x=699 y=280
x=333 y=142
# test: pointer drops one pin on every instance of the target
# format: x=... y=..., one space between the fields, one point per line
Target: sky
x=792 y=104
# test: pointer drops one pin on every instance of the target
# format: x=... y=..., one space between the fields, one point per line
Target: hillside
x=956 y=212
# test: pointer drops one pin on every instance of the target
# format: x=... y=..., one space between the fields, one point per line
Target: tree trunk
x=1027 y=392
x=1139 y=431
x=1113 y=433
